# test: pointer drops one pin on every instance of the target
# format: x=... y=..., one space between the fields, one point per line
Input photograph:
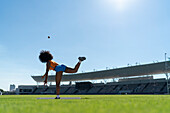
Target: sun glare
x=120 y=5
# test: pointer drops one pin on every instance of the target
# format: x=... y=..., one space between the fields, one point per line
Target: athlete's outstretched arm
x=46 y=74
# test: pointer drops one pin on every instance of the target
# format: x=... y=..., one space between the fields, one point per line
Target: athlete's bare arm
x=46 y=73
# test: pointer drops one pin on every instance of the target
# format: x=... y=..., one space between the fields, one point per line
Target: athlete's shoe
x=82 y=58
x=57 y=97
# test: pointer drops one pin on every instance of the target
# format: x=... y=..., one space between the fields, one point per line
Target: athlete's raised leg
x=75 y=69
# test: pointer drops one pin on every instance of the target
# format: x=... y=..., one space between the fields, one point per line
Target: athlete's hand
x=45 y=82
x=43 y=76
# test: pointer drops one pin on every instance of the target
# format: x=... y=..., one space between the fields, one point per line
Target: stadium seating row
x=154 y=87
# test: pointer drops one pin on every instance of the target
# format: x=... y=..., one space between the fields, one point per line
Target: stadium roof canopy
x=139 y=70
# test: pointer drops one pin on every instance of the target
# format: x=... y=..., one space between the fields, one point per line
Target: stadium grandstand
x=131 y=80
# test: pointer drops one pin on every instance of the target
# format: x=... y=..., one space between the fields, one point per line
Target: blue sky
x=110 y=33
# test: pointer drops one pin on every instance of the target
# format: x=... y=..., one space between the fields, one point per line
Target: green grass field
x=88 y=104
